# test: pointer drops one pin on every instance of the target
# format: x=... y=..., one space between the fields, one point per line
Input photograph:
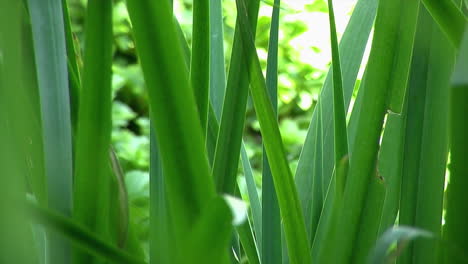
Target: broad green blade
x=390 y=166
x=217 y=91
x=173 y=113
x=449 y=18
x=455 y=229
x=425 y=157
x=92 y=178
x=271 y=220
x=160 y=228
x=352 y=48
x=200 y=60
x=231 y=126
x=217 y=64
x=370 y=218
x=74 y=80
x=339 y=110
x=402 y=234
x=334 y=201
x=255 y=203
x=291 y=213
x=81 y=237
x=246 y=237
x=16 y=241
x=319 y=190
x=400 y=71
x=33 y=146
x=376 y=86
x=206 y=244
x=51 y=64
x=245 y=233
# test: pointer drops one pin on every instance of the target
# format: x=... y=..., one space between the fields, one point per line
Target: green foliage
x=140 y=113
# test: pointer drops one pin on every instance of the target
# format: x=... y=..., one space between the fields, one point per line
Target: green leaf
x=74 y=80
x=291 y=212
x=51 y=64
x=402 y=235
x=226 y=160
x=426 y=150
x=205 y=243
x=200 y=60
x=271 y=220
x=81 y=237
x=255 y=204
x=352 y=48
x=390 y=166
x=449 y=18
x=16 y=241
x=248 y=242
x=375 y=88
x=455 y=229
x=217 y=64
x=339 y=110
x=92 y=177
x=173 y=113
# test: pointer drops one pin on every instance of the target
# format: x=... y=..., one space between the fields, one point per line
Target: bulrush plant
x=364 y=188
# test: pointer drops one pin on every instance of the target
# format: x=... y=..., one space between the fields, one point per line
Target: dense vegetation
x=215 y=132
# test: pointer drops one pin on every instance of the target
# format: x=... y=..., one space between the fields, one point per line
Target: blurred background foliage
x=304 y=59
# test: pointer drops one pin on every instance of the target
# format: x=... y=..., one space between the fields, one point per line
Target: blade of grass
x=49 y=46
x=248 y=242
x=414 y=123
x=339 y=110
x=81 y=237
x=424 y=170
x=370 y=218
x=173 y=113
x=255 y=203
x=16 y=238
x=200 y=61
x=435 y=147
x=92 y=177
x=205 y=243
x=402 y=235
x=217 y=91
x=390 y=166
x=449 y=18
x=34 y=149
x=319 y=190
x=217 y=64
x=291 y=212
x=271 y=220
x=383 y=59
x=455 y=229
x=352 y=48
x=160 y=228
x=231 y=126
x=74 y=82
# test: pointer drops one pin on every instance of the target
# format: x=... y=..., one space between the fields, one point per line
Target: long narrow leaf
x=426 y=156
x=339 y=110
x=173 y=113
x=296 y=235
x=450 y=19
x=16 y=241
x=352 y=48
x=51 y=64
x=92 y=178
x=375 y=88
x=231 y=126
x=271 y=220
x=200 y=61
x=455 y=230
x=82 y=237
